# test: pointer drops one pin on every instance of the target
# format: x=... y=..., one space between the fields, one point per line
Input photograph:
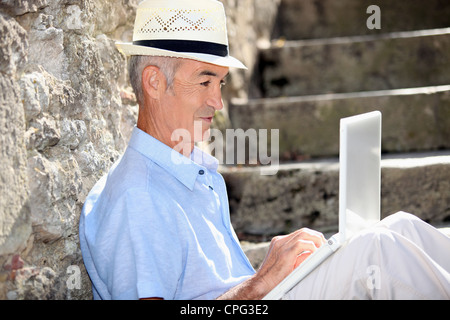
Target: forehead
x=196 y=69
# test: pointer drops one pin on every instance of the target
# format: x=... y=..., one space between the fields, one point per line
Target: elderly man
x=158 y=226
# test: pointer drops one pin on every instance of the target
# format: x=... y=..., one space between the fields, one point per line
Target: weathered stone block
x=414 y=119
x=393 y=61
x=64 y=122
x=298 y=195
x=307 y=194
x=14 y=221
x=309 y=19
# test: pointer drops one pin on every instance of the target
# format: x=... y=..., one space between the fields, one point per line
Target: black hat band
x=186 y=46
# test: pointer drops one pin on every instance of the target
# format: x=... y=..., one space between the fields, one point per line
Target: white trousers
x=402 y=257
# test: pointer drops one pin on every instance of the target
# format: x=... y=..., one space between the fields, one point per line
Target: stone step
x=414 y=119
x=351 y=64
x=305 y=194
x=307 y=19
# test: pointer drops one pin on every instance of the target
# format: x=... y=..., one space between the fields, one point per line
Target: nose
x=215 y=99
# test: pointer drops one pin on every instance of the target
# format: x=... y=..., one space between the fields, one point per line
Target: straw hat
x=192 y=29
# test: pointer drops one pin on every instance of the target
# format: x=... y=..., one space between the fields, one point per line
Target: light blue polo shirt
x=158 y=225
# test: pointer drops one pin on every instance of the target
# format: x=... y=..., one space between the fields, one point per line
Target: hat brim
x=128 y=49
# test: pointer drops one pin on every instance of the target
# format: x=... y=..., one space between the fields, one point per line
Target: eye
x=206 y=83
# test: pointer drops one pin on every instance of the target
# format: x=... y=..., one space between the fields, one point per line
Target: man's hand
x=286 y=253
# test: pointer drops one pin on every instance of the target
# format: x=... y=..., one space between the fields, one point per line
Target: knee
x=402 y=216
x=374 y=240
x=400 y=220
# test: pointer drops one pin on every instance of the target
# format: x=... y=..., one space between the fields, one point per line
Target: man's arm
x=284 y=255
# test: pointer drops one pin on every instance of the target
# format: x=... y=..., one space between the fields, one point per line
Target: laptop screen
x=359 y=172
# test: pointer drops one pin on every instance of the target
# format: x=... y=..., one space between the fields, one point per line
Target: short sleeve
x=146 y=254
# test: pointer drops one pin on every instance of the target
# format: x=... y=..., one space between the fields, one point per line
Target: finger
x=317 y=237
x=305 y=246
x=311 y=235
x=300 y=248
x=301 y=257
x=320 y=237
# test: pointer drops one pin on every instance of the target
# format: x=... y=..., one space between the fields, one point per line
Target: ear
x=152 y=82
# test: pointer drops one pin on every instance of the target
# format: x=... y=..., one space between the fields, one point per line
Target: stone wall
x=66 y=112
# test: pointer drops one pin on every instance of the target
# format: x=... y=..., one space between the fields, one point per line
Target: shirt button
x=201 y=172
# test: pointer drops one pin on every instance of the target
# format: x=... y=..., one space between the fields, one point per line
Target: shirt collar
x=184 y=169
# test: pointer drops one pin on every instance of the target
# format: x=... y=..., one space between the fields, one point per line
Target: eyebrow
x=212 y=74
x=208 y=73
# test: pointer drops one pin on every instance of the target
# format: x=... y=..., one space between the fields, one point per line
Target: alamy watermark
x=374 y=20
x=374 y=279
x=235 y=147
x=74 y=279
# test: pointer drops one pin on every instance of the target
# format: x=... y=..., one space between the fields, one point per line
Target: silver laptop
x=359 y=191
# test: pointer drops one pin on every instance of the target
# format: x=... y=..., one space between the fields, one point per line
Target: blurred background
x=67 y=110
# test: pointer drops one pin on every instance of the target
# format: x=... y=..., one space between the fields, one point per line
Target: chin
x=206 y=134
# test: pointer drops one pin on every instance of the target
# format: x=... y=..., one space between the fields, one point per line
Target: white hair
x=137 y=64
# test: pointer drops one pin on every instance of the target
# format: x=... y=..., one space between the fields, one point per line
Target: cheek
x=187 y=105
x=184 y=118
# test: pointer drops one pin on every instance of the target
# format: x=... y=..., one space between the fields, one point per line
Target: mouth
x=207 y=119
